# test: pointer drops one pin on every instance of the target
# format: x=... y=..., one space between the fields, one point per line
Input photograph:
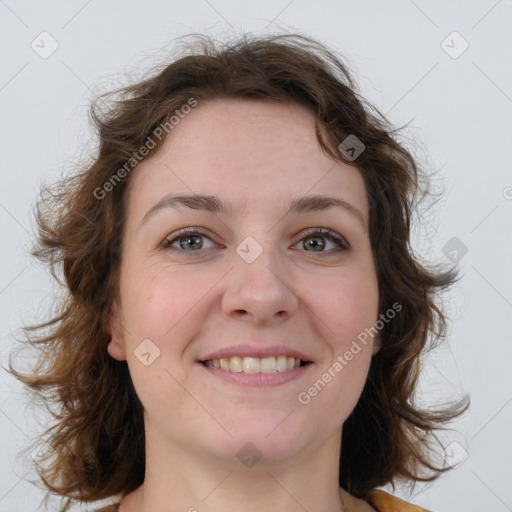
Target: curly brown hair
x=97 y=440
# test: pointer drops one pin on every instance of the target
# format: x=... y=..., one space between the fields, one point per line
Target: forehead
x=249 y=152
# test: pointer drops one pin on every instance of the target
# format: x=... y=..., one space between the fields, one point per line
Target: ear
x=116 y=347
x=377 y=343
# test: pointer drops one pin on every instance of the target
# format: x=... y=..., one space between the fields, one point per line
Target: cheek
x=344 y=305
x=154 y=295
x=347 y=307
x=161 y=316
x=162 y=304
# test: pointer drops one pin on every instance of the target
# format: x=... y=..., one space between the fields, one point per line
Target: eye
x=191 y=240
x=188 y=240
x=316 y=238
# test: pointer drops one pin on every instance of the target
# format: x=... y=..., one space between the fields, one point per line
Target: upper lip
x=255 y=351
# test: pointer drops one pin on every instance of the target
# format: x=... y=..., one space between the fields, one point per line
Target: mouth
x=256 y=367
x=253 y=364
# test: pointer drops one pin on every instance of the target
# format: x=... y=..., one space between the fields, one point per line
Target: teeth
x=254 y=364
x=269 y=365
x=236 y=364
x=281 y=363
x=251 y=365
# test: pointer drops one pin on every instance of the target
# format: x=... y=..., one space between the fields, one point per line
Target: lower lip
x=261 y=380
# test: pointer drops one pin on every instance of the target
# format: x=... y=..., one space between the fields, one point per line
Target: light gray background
x=460 y=111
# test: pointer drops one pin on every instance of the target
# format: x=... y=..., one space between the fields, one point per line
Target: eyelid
x=191 y=230
x=327 y=233
x=343 y=245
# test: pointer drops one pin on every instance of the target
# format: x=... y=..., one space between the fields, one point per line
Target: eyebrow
x=216 y=205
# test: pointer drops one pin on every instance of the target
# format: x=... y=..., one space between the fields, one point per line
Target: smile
x=271 y=364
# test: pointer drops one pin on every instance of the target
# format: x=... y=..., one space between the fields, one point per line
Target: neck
x=179 y=479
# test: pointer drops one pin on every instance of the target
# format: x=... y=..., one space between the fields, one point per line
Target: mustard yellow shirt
x=384 y=502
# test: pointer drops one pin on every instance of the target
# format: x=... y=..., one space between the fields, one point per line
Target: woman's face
x=252 y=289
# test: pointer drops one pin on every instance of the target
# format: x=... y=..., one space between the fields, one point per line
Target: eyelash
x=311 y=232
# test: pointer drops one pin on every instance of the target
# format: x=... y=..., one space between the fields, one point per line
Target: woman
x=244 y=318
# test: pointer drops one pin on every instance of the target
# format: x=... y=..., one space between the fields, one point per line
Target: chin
x=266 y=440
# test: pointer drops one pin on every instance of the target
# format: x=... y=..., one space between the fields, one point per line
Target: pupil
x=196 y=239
x=316 y=241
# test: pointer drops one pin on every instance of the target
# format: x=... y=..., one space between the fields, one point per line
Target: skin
x=258 y=155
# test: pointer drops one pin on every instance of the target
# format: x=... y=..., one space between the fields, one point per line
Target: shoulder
x=384 y=502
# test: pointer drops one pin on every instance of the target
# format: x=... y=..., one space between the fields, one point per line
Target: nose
x=259 y=292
